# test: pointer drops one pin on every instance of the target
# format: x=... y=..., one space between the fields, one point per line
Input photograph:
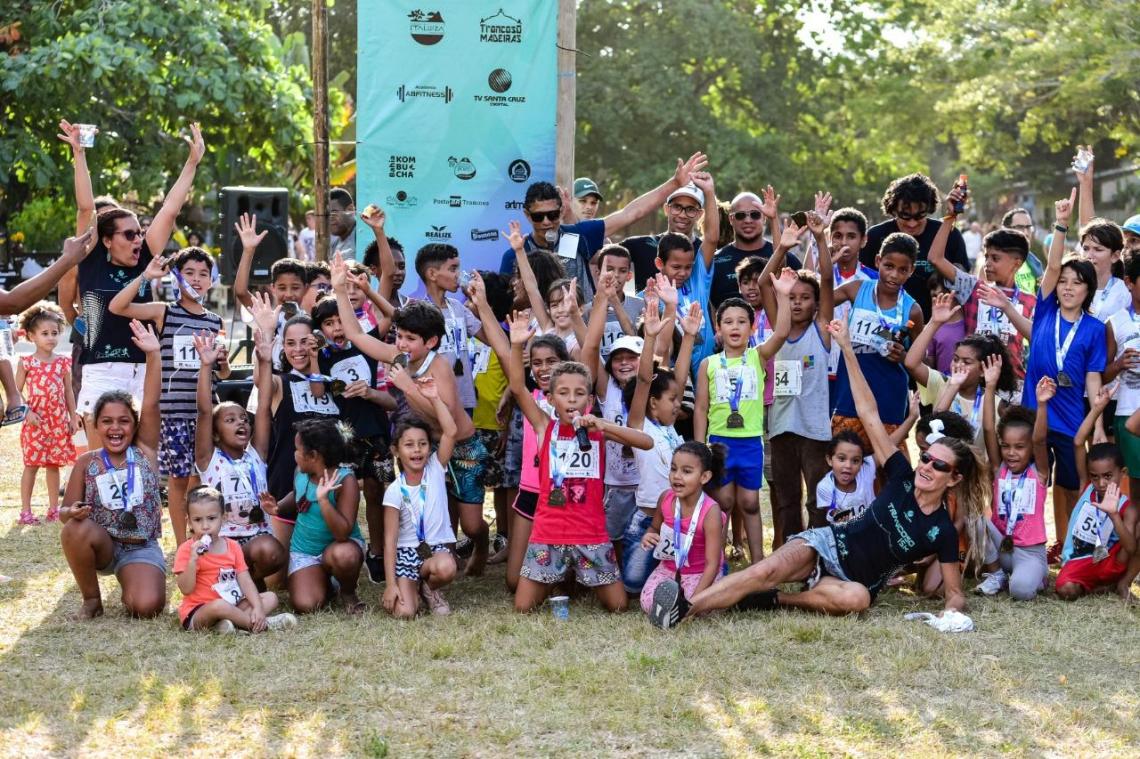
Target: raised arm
x=991 y=371
x=160 y=229
x=447 y=426
x=526 y=275
x=942 y=310
x=646 y=204
x=375 y=217
x=147 y=435
x=592 y=344
x=710 y=231
x=653 y=326
x=28 y=292
x=520 y=334
x=208 y=350
x=690 y=326
x=1097 y=404
x=364 y=342
x=861 y=393
x=1063 y=210
x=246 y=227
x=493 y=333
x=1085 y=184
x=783 y=288
x=84 y=195
x=263 y=418
x=701 y=403
x=123 y=304
x=817 y=223
x=900 y=433
x=773 y=267
x=937 y=254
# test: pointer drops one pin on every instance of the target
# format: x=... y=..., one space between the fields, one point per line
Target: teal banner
x=455 y=117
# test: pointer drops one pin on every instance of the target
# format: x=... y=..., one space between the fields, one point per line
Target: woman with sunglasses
x=846 y=565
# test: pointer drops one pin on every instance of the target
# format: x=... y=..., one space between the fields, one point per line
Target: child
x=229 y=455
x=1069 y=347
x=1102 y=243
x=687 y=534
x=217 y=590
x=417 y=529
x=287 y=276
x=623 y=312
x=326 y=543
x=1019 y=460
x=193 y=272
x=112 y=515
x=846 y=238
x=1122 y=344
x=940 y=353
x=729 y=406
x=882 y=317
x=1100 y=542
x=51 y=418
x=569 y=531
x=693 y=280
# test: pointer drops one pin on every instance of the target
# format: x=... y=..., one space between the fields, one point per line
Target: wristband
x=1061 y=228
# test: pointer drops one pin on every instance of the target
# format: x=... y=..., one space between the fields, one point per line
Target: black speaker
x=271 y=206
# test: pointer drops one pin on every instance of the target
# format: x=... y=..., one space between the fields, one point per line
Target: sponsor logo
x=500 y=28
x=500 y=81
x=438 y=233
x=519 y=170
x=402 y=200
x=462 y=167
x=484 y=235
x=426 y=26
x=401 y=166
x=424 y=92
x=514 y=205
x=458 y=201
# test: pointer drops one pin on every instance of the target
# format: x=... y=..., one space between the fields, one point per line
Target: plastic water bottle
x=1083 y=159
x=960 y=204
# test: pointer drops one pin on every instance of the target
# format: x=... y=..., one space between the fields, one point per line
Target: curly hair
x=39 y=312
x=913 y=189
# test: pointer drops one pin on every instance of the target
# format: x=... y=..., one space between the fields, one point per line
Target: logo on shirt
x=438 y=233
x=426 y=26
x=500 y=28
x=462 y=167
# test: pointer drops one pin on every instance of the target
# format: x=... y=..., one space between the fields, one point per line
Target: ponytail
x=973 y=494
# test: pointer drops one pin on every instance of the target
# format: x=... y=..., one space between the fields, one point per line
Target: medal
x=557 y=496
x=626 y=452
x=424 y=550
x=1064 y=380
x=1007 y=544
x=735 y=421
x=1062 y=349
x=1100 y=553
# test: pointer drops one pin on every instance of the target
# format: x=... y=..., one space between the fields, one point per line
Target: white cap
x=631 y=343
x=689 y=191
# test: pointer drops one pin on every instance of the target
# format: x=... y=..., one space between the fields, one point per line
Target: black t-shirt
x=108 y=337
x=724 y=270
x=893 y=531
x=643 y=250
x=367 y=419
x=916 y=285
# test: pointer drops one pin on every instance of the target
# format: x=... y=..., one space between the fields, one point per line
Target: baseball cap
x=631 y=343
x=1133 y=224
x=584 y=186
x=689 y=191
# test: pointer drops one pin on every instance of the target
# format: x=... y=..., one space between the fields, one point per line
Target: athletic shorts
x=1128 y=444
x=107 y=377
x=620 y=502
x=512 y=462
x=493 y=471
x=299 y=561
x=408 y=561
x=1064 y=458
x=134 y=553
x=1090 y=574
x=190 y=617
x=467 y=464
x=176 y=447
x=592 y=565
x=745 y=463
x=526 y=503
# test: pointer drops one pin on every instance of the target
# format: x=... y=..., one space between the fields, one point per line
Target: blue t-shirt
x=696 y=288
x=1086 y=354
x=591 y=237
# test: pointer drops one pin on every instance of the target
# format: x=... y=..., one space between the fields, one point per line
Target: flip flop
x=15 y=416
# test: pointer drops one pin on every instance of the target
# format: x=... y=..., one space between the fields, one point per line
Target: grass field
x=1039 y=678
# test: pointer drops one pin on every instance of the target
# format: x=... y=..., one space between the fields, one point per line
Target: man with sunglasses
x=747 y=215
x=1020 y=220
x=909 y=201
x=576 y=244
x=684 y=207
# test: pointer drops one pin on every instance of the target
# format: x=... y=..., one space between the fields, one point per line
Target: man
x=587 y=198
x=306 y=247
x=1131 y=231
x=1020 y=220
x=682 y=209
x=746 y=215
x=973 y=239
x=342 y=224
x=908 y=202
x=576 y=244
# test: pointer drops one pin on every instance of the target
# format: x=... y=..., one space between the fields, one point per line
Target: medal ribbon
x=737 y=384
x=405 y=494
x=1014 y=512
x=558 y=464
x=250 y=469
x=1063 y=350
x=682 y=543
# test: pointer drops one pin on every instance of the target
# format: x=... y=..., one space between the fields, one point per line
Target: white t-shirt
x=1111 y=298
x=1126 y=330
x=621 y=471
x=653 y=465
x=856 y=501
x=437 y=520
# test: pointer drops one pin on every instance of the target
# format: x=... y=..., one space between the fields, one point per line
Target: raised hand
x=817 y=222
x=652 y=323
x=684 y=172
x=144 y=338
x=784 y=283
x=374 y=216
x=208 y=348
x=589 y=422
x=944 y=307
x=608 y=285
x=477 y=289
x=1111 y=502
x=704 y=182
x=338 y=273
x=428 y=388
x=991 y=370
x=158 y=268
x=515 y=236
x=915 y=405
x=363 y=281
x=822 y=208
x=521 y=331
x=790 y=236
x=69 y=133
x=951 y=200
x=838 y=330
x=991 y=295
x=327 y=484
x=196 y=143
x=691 y=321
x=665 y=290
x=265 y=314
x=564 y=194
x=79 y=246
x=959 y=377
x=1046 y=389
x=246 y=227
x=771 y=205
x=263 y=345
x=1064 y=208
x=1104 y=395
x=399 y=377
x=570 y=294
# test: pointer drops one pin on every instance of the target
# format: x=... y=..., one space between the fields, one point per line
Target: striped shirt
x=180 y=362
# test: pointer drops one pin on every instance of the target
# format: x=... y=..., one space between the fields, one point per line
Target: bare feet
x=352 y=604
x=90 y=608
x=476 y=564
x=499 y=556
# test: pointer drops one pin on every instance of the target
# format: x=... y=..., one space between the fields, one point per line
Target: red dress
x=49 y=442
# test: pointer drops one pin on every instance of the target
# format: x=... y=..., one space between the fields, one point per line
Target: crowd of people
x=624 y=402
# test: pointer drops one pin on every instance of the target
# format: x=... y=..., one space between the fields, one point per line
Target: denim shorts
x=620 y=501
x=176 y=447
x=299 y=561
x=636 y=562
x=592 y=565
x=134 y=553
x=822 y=540
x=466 y=466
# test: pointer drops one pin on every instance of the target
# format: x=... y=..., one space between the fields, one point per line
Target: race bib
x=725 y=379
x=482 y=359
x=665 y=548
x=866 y=329
x=788 y=378
x=1090 y=523
x=305 y=403
x=568 y=246
x=580 y=465
x=185 y=354
x=236 y=489
x=227 y=587
x=455 y=335
x=112 y=488
x=992 y=320
x=351 y=370
x=612 y=333
x=6 y=347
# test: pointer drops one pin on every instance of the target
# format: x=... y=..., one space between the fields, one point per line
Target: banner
x=455 y=117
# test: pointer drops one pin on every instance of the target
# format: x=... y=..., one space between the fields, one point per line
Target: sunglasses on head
x=939 y=465
x=742 y=215
x=554 y=215
x=130 y=235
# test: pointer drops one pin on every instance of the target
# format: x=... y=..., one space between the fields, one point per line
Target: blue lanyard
x=1012 y=516
x=737 y=384
x=421 y=531
x=1063 y=350
x=108 y=466
x=557 y=470
x=668 y=431
x=682 y=543
x=883 y=321
x=249 y=465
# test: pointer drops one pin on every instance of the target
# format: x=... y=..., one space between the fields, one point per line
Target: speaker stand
x=245 y=344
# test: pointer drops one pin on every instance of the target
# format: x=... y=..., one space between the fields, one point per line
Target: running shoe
x=281 y=621
x=995 y=582
x=669 y=605
x=224 y=627
x=435 y=600
x=375 y=566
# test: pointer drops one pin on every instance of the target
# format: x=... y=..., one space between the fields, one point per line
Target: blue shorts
x=176 y=447
x=123 y=554
x=745 y=464
x=1064 y=458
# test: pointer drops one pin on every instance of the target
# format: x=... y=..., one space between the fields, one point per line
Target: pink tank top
x=695 y=562
x=1012 y=494
x=528 y=477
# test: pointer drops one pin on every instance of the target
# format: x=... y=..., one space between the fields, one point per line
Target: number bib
x=788 y=379
x=568 y=246
x=1089 y=525
x=482 y=359
x=725 y=379
x=993 y=321
x=866 y=329
x=580 y=465
x=610 y=336
x=112 y=488
x=6 y=347
x=305 y=403
x=351 y=370
x=665 y=548
x=185 y=354
x=227 y=587
x=236 y=489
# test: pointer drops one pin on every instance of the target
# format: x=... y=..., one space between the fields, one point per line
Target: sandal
x=15 y=415
x=28 y=518
x=53 y=514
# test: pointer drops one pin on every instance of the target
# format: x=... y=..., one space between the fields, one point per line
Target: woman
x=846 y=565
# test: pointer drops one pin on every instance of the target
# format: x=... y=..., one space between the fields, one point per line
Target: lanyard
x=425 y=365
x=421 y=531
x=108 y=466
x=977 y=405
x=1014 y=512
x=1104 y=293
x=457 y=328
x=179 y=285
x=759 y=329
x=558 y=464
x=1063 y=350
x=682 y=543
x=249 y=466
x=668 y=431
x=883 y=321
x=737 y=384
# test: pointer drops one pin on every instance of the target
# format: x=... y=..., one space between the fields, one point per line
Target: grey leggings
x=1026 y=565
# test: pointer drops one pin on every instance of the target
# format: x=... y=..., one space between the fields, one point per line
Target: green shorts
x=1129 y=445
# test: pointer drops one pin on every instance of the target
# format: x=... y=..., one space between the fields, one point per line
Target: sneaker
x=464 y=547
x=435 y=600
x=498 y=543
x=995 y=582
x=28 y=518
x=53 y=514
x=761 y=600
x=375 y=566
x=281 y=621
x=224 y=627
x=669 y=605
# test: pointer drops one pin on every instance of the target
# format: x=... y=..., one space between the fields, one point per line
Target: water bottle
x=1083 y=159
x=960 y=204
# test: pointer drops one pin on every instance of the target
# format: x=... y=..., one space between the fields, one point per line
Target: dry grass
x=1037 y=678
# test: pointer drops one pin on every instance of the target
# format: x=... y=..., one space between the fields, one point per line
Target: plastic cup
x=87 y=135
x=560 y=606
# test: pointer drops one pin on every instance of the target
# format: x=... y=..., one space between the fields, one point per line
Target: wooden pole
x=321 y=126
x=565 y=120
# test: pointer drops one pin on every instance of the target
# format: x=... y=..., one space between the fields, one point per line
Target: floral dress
x=49 y=442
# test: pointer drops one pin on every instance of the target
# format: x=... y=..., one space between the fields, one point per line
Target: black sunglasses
x=554 y=215
x=939 y=465
x=130 y=235
x=910 y=216
x=742 y=215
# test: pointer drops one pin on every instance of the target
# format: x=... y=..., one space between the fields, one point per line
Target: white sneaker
x=281 y=621
x=435 y=600
x=224 y=627
x=994 y=583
